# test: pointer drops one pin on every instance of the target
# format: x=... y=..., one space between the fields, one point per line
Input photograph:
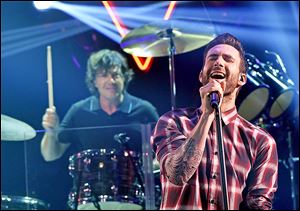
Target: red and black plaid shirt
x=251 y=163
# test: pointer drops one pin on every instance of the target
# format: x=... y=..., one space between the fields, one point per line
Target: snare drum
x=22 y=203
x=104 y=180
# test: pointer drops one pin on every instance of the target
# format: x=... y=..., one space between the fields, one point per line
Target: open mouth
x=217 y=75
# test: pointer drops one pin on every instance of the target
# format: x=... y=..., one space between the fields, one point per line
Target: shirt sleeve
x=262 y=179
x=166 y=136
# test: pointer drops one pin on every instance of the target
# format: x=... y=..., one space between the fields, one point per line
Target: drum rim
x=22 y=199
x=92 y=152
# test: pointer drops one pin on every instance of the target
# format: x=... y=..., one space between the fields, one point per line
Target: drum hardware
x=95 y=200
x=123 y=139
x=277 y=102
x=291 y=161
x=77 y=190
x=278 y=61
x=285 y=96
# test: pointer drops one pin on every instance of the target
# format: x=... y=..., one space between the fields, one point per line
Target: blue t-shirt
x=87 y=126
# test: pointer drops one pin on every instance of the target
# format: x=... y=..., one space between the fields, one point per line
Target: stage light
x=43 y=5
x=170 y=10
x=121 y=27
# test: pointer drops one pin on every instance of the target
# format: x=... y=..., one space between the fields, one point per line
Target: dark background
x=24 y=93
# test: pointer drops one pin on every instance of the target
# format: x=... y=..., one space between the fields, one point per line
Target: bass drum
x=22 y=203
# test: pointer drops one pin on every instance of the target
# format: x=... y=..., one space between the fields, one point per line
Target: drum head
x=282 y=103
x=254 y=103
x=110 y=205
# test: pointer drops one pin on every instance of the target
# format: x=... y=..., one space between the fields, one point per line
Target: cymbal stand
x=291 y=161
x=168 y=34
x=172 y=51
x=123 y=139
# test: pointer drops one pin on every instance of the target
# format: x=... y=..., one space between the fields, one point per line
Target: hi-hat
x=154 y=39
x=15 y=130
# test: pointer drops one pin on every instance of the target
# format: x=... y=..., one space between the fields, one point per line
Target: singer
x=185 y=142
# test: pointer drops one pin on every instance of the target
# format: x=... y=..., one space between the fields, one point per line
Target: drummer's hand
x=50 y=119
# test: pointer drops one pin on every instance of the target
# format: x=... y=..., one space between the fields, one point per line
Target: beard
x=231 y=84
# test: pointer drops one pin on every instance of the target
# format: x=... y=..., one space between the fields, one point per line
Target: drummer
x=107 y=78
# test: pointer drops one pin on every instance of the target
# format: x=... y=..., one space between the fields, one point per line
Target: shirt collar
x=126 y=105
x=227 y=116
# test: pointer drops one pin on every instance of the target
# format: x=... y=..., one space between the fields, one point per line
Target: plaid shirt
x=251 y=163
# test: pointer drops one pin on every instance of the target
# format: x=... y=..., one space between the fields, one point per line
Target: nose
x=111 y=78
x=219 y=62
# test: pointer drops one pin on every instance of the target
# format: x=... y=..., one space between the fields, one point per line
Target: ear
x=242 y=79
x=201 y=76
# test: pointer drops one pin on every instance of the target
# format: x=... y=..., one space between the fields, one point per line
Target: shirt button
x=214 y=176
x=212 y=201
x=216 y=153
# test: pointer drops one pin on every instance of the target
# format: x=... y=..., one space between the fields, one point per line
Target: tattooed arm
x=182 y=163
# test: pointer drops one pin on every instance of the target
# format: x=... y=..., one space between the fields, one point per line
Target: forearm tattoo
x=182 y=164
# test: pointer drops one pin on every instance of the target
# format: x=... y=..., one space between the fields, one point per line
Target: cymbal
x=154 y=39
x=15 y=130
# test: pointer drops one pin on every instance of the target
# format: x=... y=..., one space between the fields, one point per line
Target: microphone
x=122 y=138
x=214 y=99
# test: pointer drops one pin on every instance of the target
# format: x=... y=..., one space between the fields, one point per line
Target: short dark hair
x=104 y=60
x=231 y=40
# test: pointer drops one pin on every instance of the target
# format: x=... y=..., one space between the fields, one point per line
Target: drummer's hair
x=104 y=60
x=228 y=39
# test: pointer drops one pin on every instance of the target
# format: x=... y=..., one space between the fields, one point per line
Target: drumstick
x=50 y=81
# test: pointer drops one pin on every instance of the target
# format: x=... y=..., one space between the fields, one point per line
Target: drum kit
x=269 y=90
x=109 y=179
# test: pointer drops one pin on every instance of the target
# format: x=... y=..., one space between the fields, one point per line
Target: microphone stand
x=169 y=34
x=221 y=157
